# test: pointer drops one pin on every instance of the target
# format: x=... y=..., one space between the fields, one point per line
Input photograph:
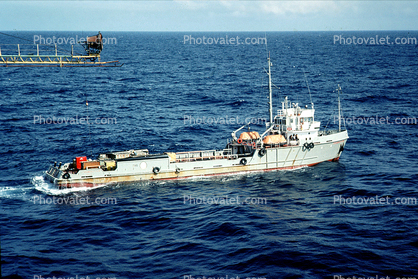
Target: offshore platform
x=49 y=55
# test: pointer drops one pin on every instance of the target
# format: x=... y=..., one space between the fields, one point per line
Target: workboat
x=292 y=139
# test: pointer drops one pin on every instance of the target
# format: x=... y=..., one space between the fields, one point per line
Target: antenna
x=265 y=36
x=88 y=123
x=307 y=84
x=270 y=92
x=339 y=108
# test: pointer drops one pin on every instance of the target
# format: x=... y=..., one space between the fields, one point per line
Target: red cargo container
x=79 y=160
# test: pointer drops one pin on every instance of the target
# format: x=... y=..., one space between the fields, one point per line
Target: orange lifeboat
x=254 y=135
x=249 y=136
x=274 y=139
x=245 y=136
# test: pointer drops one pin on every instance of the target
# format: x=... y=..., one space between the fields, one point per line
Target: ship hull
x=326 y=148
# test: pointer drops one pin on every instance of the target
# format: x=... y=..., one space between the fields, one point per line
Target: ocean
x=353 y=218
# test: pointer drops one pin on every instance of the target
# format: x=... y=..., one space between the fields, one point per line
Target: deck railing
x=205 y=155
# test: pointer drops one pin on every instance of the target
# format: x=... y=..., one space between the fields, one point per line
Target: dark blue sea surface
x=300 y=229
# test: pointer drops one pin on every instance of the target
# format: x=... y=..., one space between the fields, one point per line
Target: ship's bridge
x=293 y=119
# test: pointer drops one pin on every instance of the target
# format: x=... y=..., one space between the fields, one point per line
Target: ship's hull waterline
x=275 y=158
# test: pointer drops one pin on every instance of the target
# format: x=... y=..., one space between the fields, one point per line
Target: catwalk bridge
x=47 y=55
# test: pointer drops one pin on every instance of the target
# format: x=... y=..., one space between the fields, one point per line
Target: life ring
x=243 y=161
x=254 y=144
x=239 y=140
x=156 y=170
x=66 y=175
x=262 y=152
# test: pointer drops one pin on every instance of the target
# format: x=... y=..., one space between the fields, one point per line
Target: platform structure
x=38 y=55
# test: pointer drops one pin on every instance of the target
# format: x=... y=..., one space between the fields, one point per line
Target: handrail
x=260 y=140
x=34 y=48
x=233 y=134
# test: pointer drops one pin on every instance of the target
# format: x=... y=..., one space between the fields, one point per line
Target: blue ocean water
x=153 y=230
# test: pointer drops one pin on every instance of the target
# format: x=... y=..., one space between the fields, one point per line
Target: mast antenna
x=270 y=92
x=307 y=84
x=339 y=108
x=88 y=123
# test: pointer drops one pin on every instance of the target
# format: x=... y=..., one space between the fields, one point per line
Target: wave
x=399 y=86
x=50 y=189
x=372 y=98
x=10 y=192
